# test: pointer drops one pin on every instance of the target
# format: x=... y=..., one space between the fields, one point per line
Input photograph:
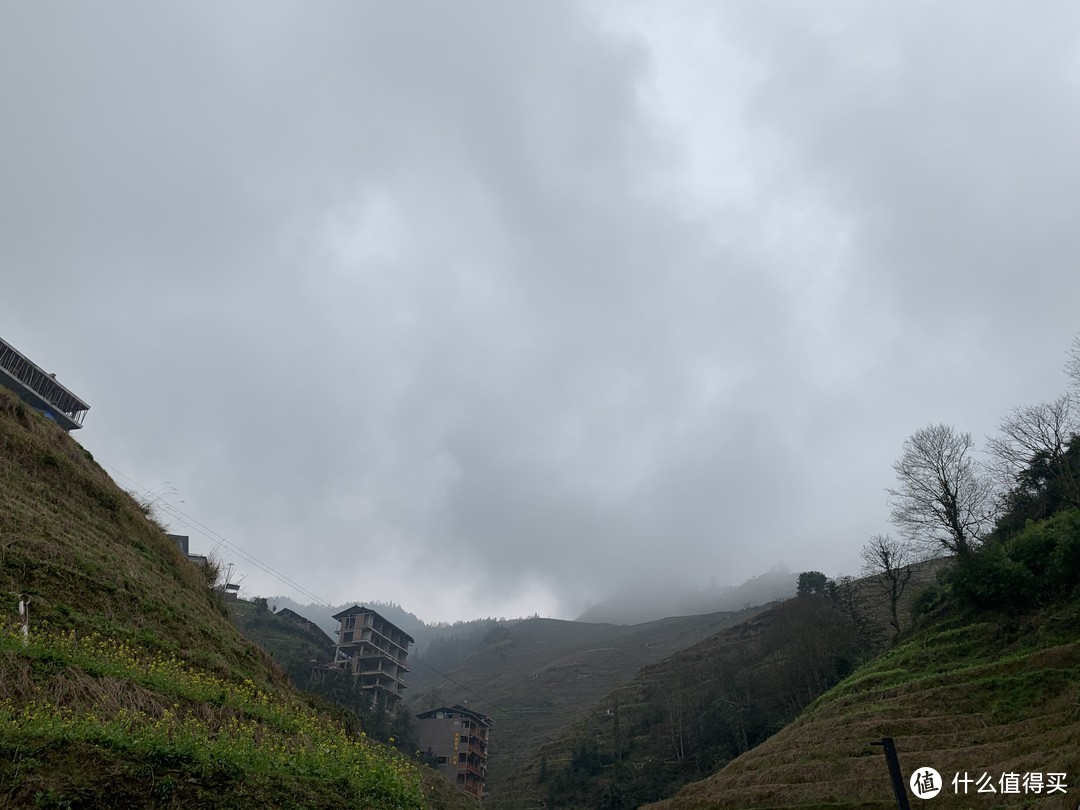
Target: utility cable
x=201 y=528
x=218 y=539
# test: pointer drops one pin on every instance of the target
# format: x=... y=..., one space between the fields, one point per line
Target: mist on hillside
x=441 y=636
x=643 y=601
x=648 y=601
x=323 y=615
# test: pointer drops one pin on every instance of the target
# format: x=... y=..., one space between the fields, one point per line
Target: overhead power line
x=216 y=538
x=201 y=528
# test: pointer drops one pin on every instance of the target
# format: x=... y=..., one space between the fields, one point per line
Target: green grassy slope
x=134 y=688
x=537 y=677
x=982 y=697
x=292 y=644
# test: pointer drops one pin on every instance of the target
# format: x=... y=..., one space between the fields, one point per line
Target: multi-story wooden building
x=374 y=651
x=457 y=739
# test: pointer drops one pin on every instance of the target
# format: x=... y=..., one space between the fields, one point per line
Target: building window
x=346 y=637
x=440 y=760
x=460 y=757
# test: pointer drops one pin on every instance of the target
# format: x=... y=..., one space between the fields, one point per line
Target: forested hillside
x=537 y=677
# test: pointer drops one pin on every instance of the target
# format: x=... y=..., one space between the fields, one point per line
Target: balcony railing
x=38 y=385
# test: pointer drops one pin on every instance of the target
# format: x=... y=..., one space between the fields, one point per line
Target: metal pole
x=895 y=776
x=24 y=611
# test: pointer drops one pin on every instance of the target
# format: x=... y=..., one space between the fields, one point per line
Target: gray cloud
x=521 y=302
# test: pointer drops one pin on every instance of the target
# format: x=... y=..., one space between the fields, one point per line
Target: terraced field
x=992 y=697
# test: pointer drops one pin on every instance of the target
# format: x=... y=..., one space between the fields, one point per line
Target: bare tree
x=1072 y=365
x=1037 y=433
x=942 y=498
x=887 y=562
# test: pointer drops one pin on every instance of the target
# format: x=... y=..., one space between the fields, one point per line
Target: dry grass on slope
x=976 y=698
x=132 y=688
x=90 y=560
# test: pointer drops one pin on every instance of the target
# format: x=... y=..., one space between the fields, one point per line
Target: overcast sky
x=489 y=308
